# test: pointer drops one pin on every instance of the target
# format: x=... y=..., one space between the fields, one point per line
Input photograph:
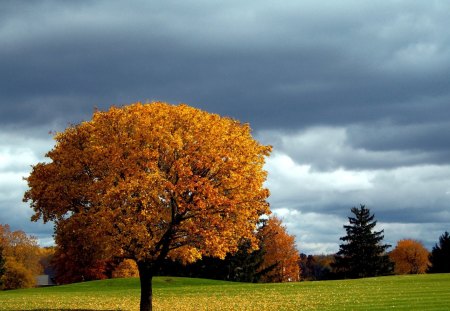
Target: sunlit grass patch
x=420 y=292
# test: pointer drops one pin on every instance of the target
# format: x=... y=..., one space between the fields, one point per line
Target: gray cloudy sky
x=353 y=95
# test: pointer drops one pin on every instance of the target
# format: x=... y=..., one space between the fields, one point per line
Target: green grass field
x=419 y=292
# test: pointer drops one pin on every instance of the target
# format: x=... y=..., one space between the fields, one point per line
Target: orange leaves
x=410 y=257
x=281 y=257
x=155 y=179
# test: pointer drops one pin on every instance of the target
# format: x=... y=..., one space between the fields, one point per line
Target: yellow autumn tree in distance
x=410 y=257
x=281 y=257
x=21 y=254
x=151 y=181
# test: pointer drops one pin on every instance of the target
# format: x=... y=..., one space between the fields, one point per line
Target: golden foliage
x=17 y=275
x=150 y=180
x=279 y=252
x=126 y=269
x=410 y=257
x=22 y=254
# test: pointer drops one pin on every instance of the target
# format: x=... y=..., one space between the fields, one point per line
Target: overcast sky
x=353 y=95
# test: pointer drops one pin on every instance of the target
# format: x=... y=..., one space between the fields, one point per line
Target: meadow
x=418 y=292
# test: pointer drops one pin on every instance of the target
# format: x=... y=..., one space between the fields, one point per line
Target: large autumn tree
x=409 y=257
x=362 y=254
x=150 y=181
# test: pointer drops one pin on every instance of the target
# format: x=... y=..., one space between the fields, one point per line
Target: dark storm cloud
x=276 y=66
x=388 y=136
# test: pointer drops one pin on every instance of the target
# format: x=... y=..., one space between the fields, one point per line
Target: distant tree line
x=315 y=267
x=362 y=254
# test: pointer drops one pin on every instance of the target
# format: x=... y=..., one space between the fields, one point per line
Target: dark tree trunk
x=145 y=277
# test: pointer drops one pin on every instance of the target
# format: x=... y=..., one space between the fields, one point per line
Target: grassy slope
x=421 y=292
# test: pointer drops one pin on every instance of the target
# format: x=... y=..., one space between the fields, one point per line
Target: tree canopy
x=409 y=257
x=19 y=259
x=280 y=256
x=150 y=181
x=362 y=254
x=440 y=255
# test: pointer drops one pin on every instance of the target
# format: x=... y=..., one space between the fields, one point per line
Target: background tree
x=409 y=257
x=315 y=267
x=242 y=266
x=154 y=181
x=362 y=254
x=280 y=255
x=2 y=263
x=79 y=255
x=17 y=276
x=21 y=257
x=239 y=266
x=126 y=269
x=440 y=255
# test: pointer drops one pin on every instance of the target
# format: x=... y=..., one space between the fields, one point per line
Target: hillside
x=418 y=292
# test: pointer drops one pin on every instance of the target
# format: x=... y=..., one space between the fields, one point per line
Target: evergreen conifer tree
x=362 y=254
x=440 y=255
